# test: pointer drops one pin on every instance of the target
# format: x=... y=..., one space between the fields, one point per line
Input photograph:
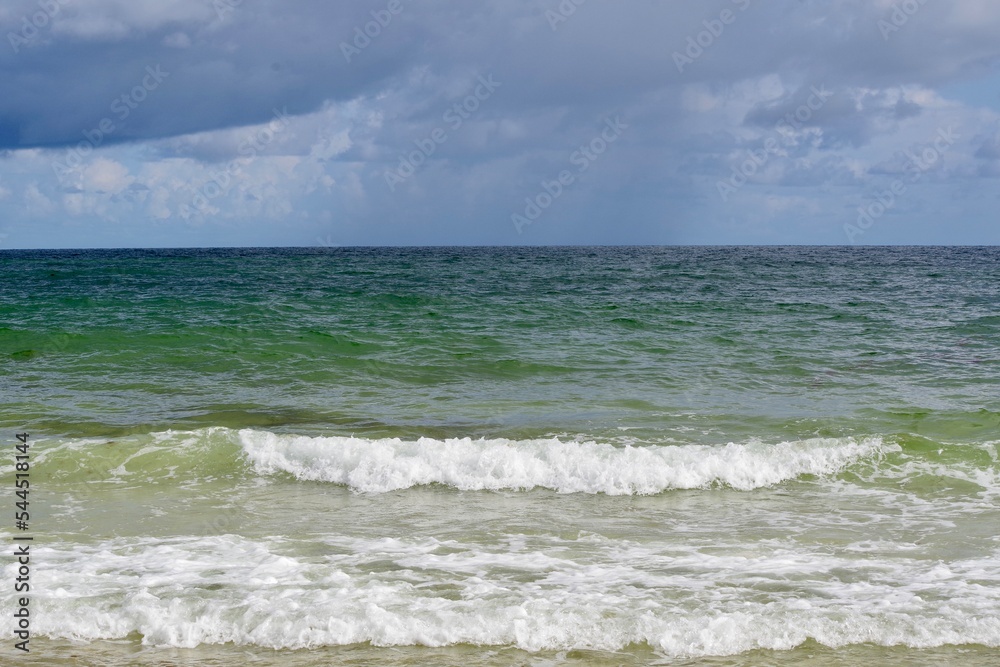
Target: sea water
x=520 y=456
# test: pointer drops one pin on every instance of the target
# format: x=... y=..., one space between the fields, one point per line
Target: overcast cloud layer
x=438 y=122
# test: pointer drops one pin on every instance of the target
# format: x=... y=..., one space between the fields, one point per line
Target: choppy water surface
x=607 y=456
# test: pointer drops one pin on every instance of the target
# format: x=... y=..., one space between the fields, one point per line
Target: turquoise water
x=504 y=456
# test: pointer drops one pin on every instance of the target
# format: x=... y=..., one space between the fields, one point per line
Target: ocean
x=504 y=456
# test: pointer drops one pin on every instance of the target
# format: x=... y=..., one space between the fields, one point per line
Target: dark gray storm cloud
x=224 y=64
x=230 y=62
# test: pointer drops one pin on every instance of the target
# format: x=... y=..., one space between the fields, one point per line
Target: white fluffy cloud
x=106 y=176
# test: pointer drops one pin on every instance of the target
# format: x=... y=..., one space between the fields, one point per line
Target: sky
x=200 y=123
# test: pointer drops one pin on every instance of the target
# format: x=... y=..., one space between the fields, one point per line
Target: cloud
x=177 y=40
x=230 y=72
x=106 y=176
x=988 y=147
x=114 y=20
x=835 y=97
x=36 y=203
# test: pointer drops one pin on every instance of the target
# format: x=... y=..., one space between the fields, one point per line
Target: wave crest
x=379 y=466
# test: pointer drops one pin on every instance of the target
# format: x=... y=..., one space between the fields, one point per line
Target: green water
x=508 y=456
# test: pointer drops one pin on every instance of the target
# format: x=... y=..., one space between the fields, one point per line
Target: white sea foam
x=594 y=593
x=377 y=466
